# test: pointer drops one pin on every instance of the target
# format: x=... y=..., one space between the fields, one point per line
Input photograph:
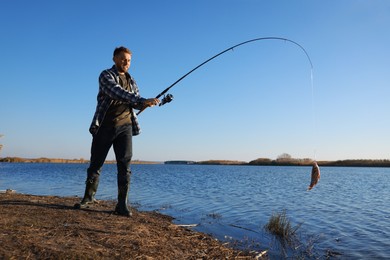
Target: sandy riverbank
x=47 y=227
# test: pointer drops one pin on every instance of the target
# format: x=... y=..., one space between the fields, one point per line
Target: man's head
x=122 y=59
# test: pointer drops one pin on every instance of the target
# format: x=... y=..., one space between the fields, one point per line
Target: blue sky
x=255 y=101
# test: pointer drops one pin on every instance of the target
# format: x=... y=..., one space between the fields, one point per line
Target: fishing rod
x=168 y=98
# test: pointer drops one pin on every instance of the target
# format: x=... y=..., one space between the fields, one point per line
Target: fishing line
x=314 y=116
x=168 y=97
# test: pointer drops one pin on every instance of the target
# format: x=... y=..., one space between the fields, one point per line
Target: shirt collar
x=115 y=70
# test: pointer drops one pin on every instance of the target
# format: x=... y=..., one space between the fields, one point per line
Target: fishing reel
x=166 y=99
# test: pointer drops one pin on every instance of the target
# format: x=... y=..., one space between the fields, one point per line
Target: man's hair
x=121 y=49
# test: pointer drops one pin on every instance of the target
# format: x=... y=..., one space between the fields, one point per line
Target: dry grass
x=280 y=226
x=289 y=242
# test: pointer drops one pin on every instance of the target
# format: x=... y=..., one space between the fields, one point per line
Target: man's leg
x=123 y=152
x=101 y=144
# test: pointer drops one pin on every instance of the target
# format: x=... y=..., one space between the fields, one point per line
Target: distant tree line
x=221 y=162
x=286 y=160
x=282 y=160
x=59 y=160
x=357 y=163
x=41 y=160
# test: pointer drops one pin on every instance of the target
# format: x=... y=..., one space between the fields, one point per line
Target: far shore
x=256 y=162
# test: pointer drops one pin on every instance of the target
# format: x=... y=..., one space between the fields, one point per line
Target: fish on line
x=315 y=176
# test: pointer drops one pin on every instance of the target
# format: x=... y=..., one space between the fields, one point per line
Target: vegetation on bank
x=305 y=162
x=283 y=160
x=41 y=160
x=280 y=226
x=302 y=162
x=222 y=162
x=293 y=244
x=59 y=160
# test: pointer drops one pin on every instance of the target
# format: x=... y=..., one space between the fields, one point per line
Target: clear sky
x=255 y=101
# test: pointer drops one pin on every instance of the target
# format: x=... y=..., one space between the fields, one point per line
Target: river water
x=346 y=216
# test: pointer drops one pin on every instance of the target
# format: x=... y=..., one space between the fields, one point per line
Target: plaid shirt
x=110 y=90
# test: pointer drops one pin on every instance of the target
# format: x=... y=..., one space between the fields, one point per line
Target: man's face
x=122 y=62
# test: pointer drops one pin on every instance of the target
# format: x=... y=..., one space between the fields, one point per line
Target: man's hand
x=150 y=102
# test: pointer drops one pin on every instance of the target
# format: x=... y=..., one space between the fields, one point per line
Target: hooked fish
x=315 y=175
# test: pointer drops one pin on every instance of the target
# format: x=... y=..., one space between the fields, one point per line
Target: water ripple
x=347 y=212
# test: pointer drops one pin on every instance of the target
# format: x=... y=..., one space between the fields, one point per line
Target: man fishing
x=114 y=124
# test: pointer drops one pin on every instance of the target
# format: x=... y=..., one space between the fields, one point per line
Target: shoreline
x=37 y=227
x=257 y=162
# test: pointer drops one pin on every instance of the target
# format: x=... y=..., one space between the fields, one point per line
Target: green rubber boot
x=123 y=191
x=90 y=191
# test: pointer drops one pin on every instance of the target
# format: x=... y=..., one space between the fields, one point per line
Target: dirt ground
x=47 y=227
